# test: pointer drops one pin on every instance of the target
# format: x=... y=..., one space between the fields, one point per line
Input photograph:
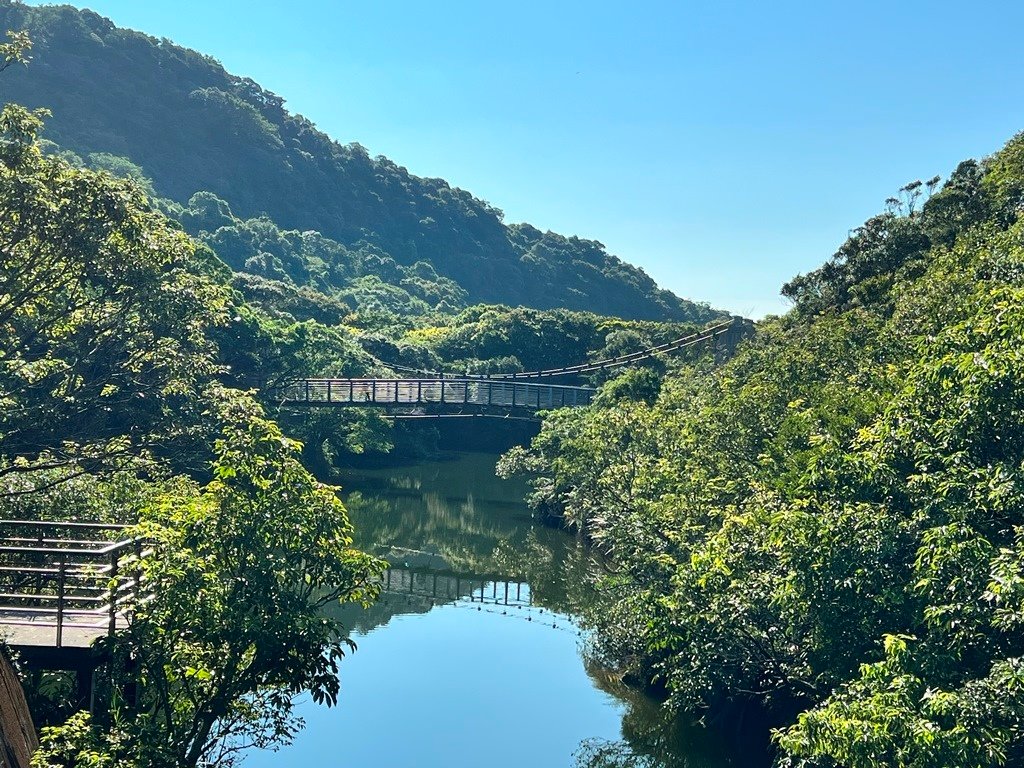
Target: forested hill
x=193 y=127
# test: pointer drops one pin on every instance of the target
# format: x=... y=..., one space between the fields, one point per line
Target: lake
x=472 y=657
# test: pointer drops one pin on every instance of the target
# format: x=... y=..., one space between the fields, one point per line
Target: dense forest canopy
x=191 y=127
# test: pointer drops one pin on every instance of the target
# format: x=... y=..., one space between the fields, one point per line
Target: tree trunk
x=17 y=735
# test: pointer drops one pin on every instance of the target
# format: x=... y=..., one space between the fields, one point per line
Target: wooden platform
x=41 y=634
x=63 y=586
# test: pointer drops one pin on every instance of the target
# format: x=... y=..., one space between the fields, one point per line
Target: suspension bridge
x=432 y=394
x=450 y=587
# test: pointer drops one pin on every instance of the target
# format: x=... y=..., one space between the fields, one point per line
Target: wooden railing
x=59 y=575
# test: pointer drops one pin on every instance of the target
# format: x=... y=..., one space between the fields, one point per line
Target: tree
x=15 y=50
x=104 y=312
x=233 y=629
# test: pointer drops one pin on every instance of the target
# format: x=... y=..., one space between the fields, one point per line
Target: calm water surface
x=471 y=657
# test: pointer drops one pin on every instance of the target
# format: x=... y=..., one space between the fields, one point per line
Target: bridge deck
x=433 y=392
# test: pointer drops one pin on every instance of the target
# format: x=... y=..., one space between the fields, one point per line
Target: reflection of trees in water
x=363 y=620
x=599 y=753
x=474 y=521
x=460 y=519
x=652 y=736
x=451 y=528
x=562 y=577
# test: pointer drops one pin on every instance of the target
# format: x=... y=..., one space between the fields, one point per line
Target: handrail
x=58 y=586
x=428 y=379
x=40 y=540
x=58 y=524
x=477 y=393
x=110 y=547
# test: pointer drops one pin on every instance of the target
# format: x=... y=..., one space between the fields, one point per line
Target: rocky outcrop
x=17 y=735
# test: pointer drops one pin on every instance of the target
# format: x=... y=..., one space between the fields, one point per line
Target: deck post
x=307 y=390
x=490 y=393
x=373 y=391
x=61 y=574
x=419 y=390
x=396 y=390
x=112 y=619
x=442 y=389
x=328 y=390
x=513 y=392
x=136 y=575
x=351 y=394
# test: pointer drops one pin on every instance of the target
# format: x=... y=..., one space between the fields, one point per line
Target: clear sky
x=722 y=146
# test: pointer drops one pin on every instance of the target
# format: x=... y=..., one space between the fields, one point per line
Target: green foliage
x=103 y=316
x=891 y=715
x=234 y=628
x=488 y=338
x=288 y=302
x=122 y=168
x=15 y=50
x=117 y=334
x=829 y=525
x=637 y=384
x=538 y=339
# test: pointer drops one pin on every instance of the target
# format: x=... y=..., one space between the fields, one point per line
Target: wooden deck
x=42 y=635
x=64 y=585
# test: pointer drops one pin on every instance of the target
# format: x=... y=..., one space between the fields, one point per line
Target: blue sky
x=723 y=147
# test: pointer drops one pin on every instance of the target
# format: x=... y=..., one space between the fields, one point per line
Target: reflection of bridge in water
x=447 y=587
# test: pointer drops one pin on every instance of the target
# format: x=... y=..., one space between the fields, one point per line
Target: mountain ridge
x=193 y=127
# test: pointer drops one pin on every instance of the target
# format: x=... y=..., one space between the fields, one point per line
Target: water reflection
x=476 y=622
x=458 y=523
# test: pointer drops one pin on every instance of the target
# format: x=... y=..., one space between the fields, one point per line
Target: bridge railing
x=60 y=576
x=390 y=392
